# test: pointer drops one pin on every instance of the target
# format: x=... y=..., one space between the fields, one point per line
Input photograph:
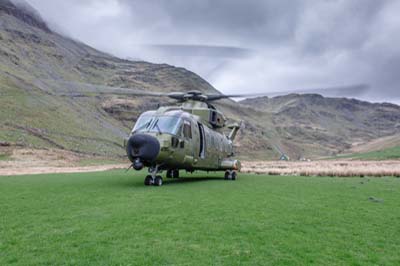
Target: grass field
x=4 y=157
x=111 y=218
x=385 y=154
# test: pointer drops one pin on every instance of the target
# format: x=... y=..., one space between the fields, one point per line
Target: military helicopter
x=189 y=136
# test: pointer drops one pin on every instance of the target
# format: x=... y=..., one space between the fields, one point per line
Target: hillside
x=36 y=64
x=378 y=144
x=311 y=125
x=385 y=148
x=38 y=67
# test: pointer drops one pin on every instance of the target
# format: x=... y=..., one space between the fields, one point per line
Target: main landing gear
x=230 y=175
x=153 y=178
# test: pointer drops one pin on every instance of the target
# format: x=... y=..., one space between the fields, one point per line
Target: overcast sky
x=248 y=46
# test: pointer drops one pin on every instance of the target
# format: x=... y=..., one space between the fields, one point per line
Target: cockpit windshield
x=160 y=124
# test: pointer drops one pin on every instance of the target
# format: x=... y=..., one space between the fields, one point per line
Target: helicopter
x=187 y=137
x=190 y=136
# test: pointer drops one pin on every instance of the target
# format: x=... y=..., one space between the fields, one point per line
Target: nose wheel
x=153 y=178
x=148 y=181
x=157 y=181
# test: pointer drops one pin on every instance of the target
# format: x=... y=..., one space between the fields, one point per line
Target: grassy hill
x=314 y=125
x=386 y=154
x=386 y=148
x=37 y=64
x=392 y=153
x=39 y=70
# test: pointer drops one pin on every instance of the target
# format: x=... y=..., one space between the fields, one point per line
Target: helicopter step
x=230 y=175
x=173 y=173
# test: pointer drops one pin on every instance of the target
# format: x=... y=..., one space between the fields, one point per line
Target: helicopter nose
x=142 y=148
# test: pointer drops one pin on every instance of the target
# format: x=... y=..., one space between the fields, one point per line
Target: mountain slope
x=36 y=64
x=38 y=67
x=310 y=125
x=378 y=144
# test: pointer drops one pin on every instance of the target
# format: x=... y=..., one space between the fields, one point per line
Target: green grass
x=111 y=218
x=386 y=154
x=4 y=157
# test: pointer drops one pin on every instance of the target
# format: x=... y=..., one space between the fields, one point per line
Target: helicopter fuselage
x=187 y=137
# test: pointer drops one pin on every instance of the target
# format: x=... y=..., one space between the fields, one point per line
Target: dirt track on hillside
x=33 y=161
x=11 y=171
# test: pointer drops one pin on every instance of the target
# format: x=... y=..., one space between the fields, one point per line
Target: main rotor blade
x=76 y=88
x=350 y=90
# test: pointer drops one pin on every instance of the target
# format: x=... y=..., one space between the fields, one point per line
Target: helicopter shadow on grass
x=129 y=183
x=188 y=180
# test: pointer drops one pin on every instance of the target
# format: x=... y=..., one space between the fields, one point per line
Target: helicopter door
x=202 y=151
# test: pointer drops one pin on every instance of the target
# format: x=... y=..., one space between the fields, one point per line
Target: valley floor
x=29 y=161
x=25 y=162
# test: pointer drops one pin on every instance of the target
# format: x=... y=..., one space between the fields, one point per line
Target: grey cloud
x=200 y=50
x=242 y=22
x=337 y=25
x=248 y=45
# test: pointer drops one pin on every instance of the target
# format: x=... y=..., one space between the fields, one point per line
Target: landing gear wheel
x=170 y=174
x=230 y=175
x=233 y=175
x=227 y=175
x=158 y=181
x=175 y=173
x=148 y=180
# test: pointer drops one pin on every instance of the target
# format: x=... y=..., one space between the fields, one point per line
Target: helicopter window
x=180 y=131
x=187 y=130
x=166 y=124
x=202 y=152
x=213 y=117
x=142 y=123
x=161 y=124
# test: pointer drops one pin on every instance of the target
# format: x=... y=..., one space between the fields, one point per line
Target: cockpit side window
x=187 y=130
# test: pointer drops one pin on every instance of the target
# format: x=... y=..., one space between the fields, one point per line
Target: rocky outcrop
x=23 y=12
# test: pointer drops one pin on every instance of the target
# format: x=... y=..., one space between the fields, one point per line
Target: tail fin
x=234 y=130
